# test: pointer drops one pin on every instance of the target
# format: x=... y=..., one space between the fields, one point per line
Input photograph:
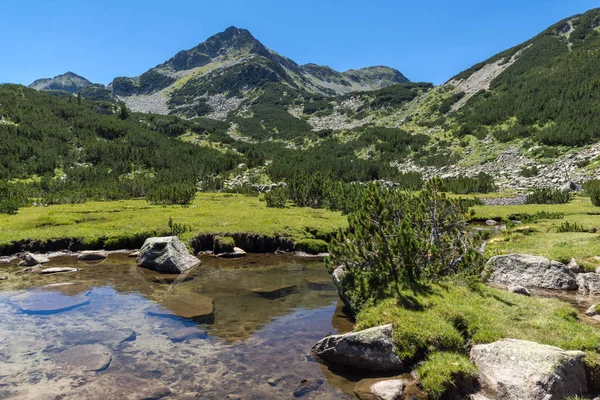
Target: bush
x=592 y=189
x=176 y=229
x=548 y=196
x=482 y=183
x=175 y=193
x=529 y=172
x=312 y=246
x=397 y=240
x=276 y=198
x=569 y=227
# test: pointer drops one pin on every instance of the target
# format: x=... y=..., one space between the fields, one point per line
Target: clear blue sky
x=427 y=40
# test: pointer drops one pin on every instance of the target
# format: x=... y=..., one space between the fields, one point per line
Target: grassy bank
x=543 y=236
x=209 y=213
x=444 y=320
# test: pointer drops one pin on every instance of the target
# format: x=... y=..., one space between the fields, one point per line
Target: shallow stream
x=238 y=329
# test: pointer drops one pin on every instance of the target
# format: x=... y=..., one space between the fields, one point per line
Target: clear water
x=253 y=346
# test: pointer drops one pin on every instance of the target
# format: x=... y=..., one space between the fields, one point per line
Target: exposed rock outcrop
x=338 y=280
x=166 y=255
x=30 y=259
x=589 y=283
x=369 y=349
x=531 y=272
x=519 y=369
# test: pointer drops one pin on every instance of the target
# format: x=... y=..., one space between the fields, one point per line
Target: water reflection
x=213 y=331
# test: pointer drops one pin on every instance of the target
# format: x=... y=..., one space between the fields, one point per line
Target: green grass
x=448 y=316
x=209 y=213
x=442 y=370
x=546 y=237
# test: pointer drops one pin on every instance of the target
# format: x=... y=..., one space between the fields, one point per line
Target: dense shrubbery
x=592 y=189
x=175 y=193
x=276 y=197
x=482 y=183
x=548 y=196
x=397 y=240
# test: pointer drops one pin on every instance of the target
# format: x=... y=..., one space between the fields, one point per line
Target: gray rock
x=519 y=290
x=389 y=390
x=370 y=349
x=275 y=291
x=166 y=255
x=29 y=260
x=591 y=311
x=58 y=270
x=47 y=302
x=589 y=283
x=92 y=255
x=531 y=271
x=491 y=222
x=236 y=253
x=519 y=369
x=574 y=267
x=87 y=357
x=338 y=280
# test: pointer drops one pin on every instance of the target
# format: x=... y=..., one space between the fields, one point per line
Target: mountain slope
x=229 y=65
x=68 y=82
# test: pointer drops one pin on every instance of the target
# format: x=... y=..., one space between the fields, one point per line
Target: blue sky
x=427 y=40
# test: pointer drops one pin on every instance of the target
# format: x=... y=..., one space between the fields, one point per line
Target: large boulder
x=166 y=255
x=531 y=271
x=589 y=283
x=338 y=280
x=519 y=369
x=370 y=349
x=30 y=259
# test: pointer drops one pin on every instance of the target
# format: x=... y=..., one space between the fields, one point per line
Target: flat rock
x=188 y=333
x=518 y=289
x=133 y=254
x=58 y=270
x=111 y=338
x=589 y=283
x=30 y=259
x=378 y=389
x=274 y=291
x=519 y=369
x=87 y=357
x=370 y=349
x=92 y=255
x=307 y=386
x=47 y=302
x=491 y=222
x=169 y=279
x=531 y=272
x=320 y=284
x=121 y=386
x=236 y=253
x=191 y=306
x=167 y=255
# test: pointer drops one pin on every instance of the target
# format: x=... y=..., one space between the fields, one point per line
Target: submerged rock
x=29 y=260
x=111 y=338
x=191 y=306
x=307 y=386
x=47 y=302
x=188 y=333
x=274 y=291
x=92 y=255
x=170 y=279
x=519 y=369
x=121 y=386
x=531 y=271
x=589 y=283
x=166 y=255
x=370 y=349
x=319 y=284
x=518 y=289
x=87 y=357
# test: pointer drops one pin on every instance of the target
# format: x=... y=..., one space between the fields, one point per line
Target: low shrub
x=548 y=196
x=592 y=189
x=482 y=183
x=568 y=226
x=276 y=198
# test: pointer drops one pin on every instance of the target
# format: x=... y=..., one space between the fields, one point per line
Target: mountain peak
x=69 y=81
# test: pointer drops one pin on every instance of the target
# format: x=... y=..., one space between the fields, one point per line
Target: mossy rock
x=312 y=246
x=223 y=244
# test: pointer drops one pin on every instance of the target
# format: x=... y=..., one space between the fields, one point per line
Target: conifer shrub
x=592 y=189
x=548 y=196
x=174 y=193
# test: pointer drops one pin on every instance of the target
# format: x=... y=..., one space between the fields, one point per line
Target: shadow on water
x=240 y=327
